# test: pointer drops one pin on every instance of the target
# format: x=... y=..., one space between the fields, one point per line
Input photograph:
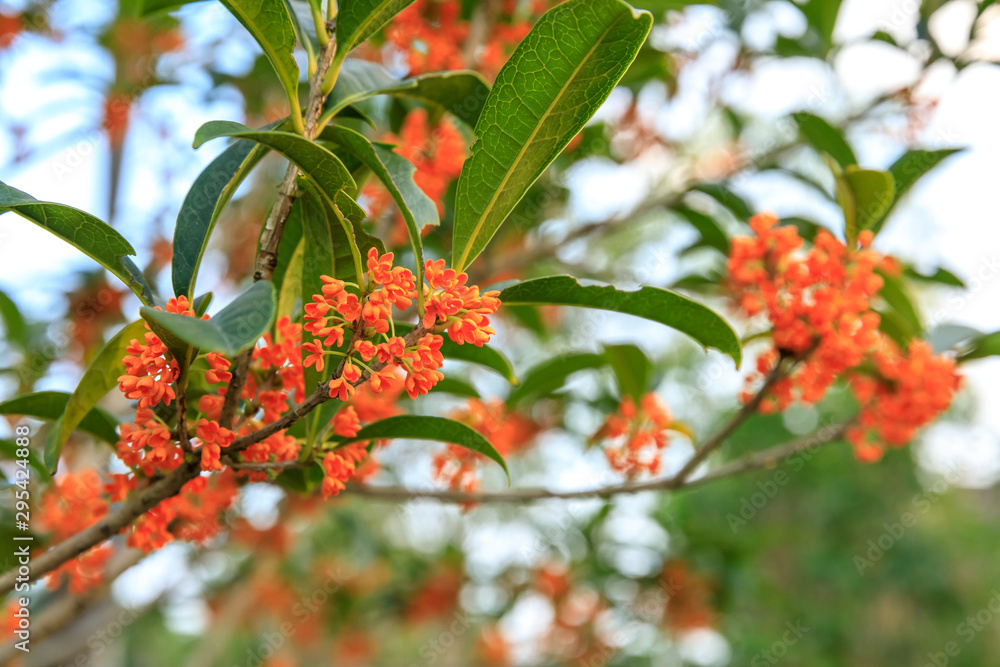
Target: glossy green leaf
x=712 y=235
x=907 y=170
x=233 y=329
x=652 y=303
x=317 y=261
x=94 y=237
x=100 y=377
x=725 y=196
x=482 y=356
x=396 y=174
x=319 y=165
x=204 y=203
x=897 y=298
x=550 y=375
x=15 y=328
x=631 y=367
x=940 y=276
x=357 y=20
x=269 y=23
x=825 y=138
x=987 y=345
x=50 y=405
x=291 y=286
x=462 y=93
x=865 y=195
x=550 y=87
x=417 y=427
x=456 y=387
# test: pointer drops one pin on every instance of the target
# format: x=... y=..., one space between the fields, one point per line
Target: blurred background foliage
x=808 y=563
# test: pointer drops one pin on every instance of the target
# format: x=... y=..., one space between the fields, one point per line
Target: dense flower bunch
x=75 y=502
x=819 y=304
x=437 y=151
x=434 y=36
x=509 y=432
x=634 y=437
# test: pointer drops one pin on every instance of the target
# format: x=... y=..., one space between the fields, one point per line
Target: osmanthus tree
x=396 y=191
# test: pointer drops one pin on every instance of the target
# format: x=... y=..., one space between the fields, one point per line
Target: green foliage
x=825 y=138
x=16 y=330
x=96 y=238
x=418 y=427
x=462 y=93
x=50 y=406
x=234 y=329
x=550 y=375
x=319 y=165
x=203 y=205
x=357 y=20
x=270 y=24
x=651 y=303
x=865 y=195
x=583 y=47
x=100 y=377
x=396 y=174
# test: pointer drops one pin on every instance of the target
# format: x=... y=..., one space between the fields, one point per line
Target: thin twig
x=763 y=459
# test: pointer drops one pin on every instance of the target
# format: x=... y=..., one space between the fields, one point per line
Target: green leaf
x=418 y=427
x=462 y=93
x=317 y=261
x=482 y=356
x=725 y=196
x=235 y=328
x=269 y=23
x=357 y=20
x=396 y=173
x=712 y=234
x=456 y=387
x=319 y=165
x=865 y=195
x=652 y=303
x=907 y=170
x=100 y=377
x=897 y=298
x=94 y=237
x=147 y=7
x=940 y=276
x=550 y=375
x=987 y=345
x=550 y=87
x=8 y=452
x=825 y=138
x=632 y=369
x=204 y=203
x=822 y=17
x=358 y=237
x=50 y=405
x=291 y=286
x=16 y=330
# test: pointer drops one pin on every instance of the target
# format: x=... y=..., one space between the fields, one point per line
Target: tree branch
x=763 y=459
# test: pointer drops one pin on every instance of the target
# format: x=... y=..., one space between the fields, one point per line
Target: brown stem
x=763 y=459
x=319 y=396
x=744 y=413
x=134 y=506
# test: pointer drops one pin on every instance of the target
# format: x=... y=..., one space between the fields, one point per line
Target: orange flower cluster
x=910 y=391
x=509 y=432
x=449 y=301
x=818 y=302
x=688 y=603
x=635 y=436
x=437 y=152
x=340 y=466
x=74 y=502
x=10 y=27
x=433 y=35
x=191 y=515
